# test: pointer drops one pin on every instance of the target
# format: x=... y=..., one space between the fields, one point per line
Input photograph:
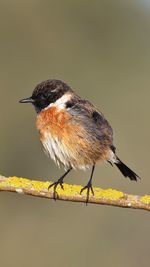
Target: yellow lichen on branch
x=72 y=193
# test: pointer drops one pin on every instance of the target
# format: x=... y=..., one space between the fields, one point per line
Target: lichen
x=69 y=190
x=109 y=193
x=145 y=199
x=24 y=183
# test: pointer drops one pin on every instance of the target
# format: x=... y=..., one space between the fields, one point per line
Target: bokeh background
x=102 y=49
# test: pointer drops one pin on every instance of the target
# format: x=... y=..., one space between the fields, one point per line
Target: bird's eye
x=43 y=97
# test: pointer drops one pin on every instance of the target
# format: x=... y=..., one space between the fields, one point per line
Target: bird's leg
x=59 y=182
x=89 y=185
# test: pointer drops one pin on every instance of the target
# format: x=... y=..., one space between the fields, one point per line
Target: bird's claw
x=55 y=184
x=88 y=187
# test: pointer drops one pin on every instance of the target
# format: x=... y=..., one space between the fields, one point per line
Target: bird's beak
x=27 y=100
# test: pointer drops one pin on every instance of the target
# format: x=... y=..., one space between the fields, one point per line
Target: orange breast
x=54 y=121
x=74 y=146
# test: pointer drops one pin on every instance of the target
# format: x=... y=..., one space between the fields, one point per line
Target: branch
x=72 y=193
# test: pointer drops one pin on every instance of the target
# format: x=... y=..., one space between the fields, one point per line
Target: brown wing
x=94 y=122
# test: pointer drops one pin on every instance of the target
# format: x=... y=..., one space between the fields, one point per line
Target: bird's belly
x=56 y=150
x=66 y=142
x=71 y=152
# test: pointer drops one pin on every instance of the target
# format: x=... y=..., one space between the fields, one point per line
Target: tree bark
x=110 y=196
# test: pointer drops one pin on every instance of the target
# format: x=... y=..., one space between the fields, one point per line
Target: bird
x=73 y=132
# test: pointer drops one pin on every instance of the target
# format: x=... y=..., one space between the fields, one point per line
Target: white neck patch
x=60 y=102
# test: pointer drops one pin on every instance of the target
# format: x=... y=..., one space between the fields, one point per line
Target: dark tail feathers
x=126 y=171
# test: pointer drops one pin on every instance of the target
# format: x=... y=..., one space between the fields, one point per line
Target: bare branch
x=72 y=193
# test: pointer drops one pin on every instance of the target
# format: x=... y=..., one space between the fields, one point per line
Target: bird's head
x=48 y=92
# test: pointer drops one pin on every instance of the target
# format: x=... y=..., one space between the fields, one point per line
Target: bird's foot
x=88 y=187
x=55 y=184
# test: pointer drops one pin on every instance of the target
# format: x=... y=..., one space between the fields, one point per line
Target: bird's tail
x=126 y=171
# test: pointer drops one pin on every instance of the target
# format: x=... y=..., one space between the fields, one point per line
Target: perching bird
x=74 y=133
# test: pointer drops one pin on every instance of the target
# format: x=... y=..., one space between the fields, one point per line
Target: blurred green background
x=102 y=49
